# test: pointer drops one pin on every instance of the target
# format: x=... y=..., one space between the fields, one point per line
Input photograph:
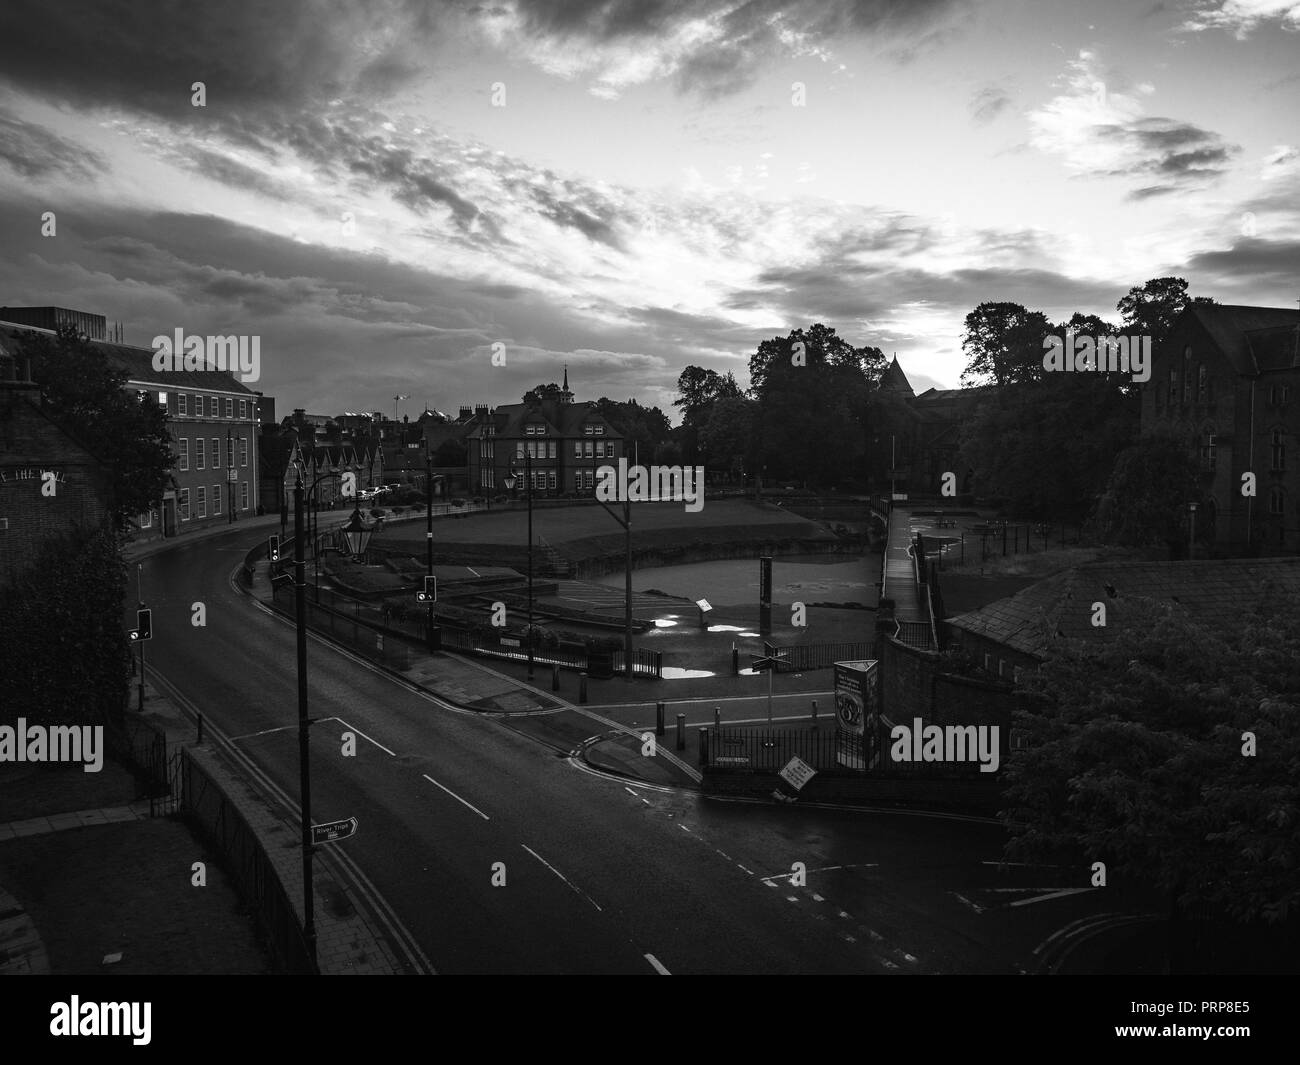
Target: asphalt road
x=601 y=876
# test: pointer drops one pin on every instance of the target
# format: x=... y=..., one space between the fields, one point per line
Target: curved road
x=601 y=875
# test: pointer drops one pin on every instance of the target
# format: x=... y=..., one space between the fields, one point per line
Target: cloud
x=1100 y=131
x=33 y=151
x=1242 y=17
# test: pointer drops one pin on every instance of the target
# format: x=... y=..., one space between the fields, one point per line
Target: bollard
x=717 y=718
x=555 y=678
x=659 y=718
x=681 y=732
x=704 y=748
x=814 y=716
x=582 y=687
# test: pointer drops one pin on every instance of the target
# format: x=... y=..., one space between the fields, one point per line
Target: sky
x=388 y=193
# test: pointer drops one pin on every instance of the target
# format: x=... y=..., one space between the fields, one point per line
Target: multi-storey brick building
x=565 y=441
x=213 y=423
x=1227 y=378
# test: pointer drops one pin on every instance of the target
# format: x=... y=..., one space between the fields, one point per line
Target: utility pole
x=304 y=770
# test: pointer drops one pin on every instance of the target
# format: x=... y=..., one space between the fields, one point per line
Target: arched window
x=1202 y=378
x=1278 y=451
x=1209 y=448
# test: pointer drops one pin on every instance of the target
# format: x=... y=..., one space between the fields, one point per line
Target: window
x=528 y=430
x=243 y=451
x=589 y=430
x=201 y=501
x=532 y=449
x=577 y=480
x=1278 y=451
x=1202 y=376
x=485 y=477
x=600 y=449
x=230 y=408
x=1276 y=500
x=243 y=408
x=587 y=451
x=144 y=519
x=182 y=403
x=988 y=663
x=184 y=463
x=216 y=499
x=551 y=479
x=550 y=449
x=183 y=504
x=216 y=453
x=611 y=450
x=1209 y=449
x=1173 y=387
x=200 y=454
x=162 y=400
x=577 y=449
x=589 y=478
x=600 y=430
x=243 y=495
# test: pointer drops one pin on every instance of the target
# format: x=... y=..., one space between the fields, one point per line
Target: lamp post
x=522 y=453
x=434 y=644
x=1191 y=536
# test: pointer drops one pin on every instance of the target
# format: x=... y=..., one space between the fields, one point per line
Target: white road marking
x=658 y=965
x=724 y=854
x=1053 y=895
x=817 y=898
x=683 y=828
x=767 y=882
x=353 y=728
x=561 y=875
x=628 y=790
x=974 y=906
x=646 y=801
x=264 y=732
x=791 y=898
x=456 y=797
x=749 y=871
x=824 y=869
x=472 y=570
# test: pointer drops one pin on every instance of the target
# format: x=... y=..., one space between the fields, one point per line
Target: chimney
x=465 y=413
x=481 y=411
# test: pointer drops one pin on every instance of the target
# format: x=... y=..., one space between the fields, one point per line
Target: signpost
x=797 y=773
x=333 y=831
x=768 y=661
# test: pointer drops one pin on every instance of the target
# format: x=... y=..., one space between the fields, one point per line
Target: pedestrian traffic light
x=143 y=625
x=429 y=594
x=273 y=549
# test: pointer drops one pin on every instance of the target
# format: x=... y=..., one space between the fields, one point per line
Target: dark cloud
x=36 y=152
x=1184 y=155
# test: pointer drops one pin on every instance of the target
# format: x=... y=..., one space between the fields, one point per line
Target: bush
x=376 y=512
x=501 y=499
x=478 y=501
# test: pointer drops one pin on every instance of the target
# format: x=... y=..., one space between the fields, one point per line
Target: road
x=601 y=876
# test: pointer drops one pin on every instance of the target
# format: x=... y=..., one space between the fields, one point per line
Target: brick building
x=33 y=446
x=1227 y=379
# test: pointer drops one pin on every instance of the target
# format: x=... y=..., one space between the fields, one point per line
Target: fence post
x=582 y=687
x=717 y=717
x=681 y=732
x=555 y=678
x=704 y=748
x=659 y=718
x=814 y=713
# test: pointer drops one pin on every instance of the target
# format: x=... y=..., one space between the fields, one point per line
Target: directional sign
x=797 y=773
x=333 y=831
x=769 y=659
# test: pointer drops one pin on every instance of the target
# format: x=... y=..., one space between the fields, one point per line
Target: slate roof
x=138 y=364
x=1211 y=591
x=560 y=419
x=894 y=380
x=1229 y=324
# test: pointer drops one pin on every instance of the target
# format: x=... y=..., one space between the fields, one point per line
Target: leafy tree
x=541 y=392
x=83 y=390
x=1146 y=500
x=1004 y=344
x=1150 y=309
x=727 y=438
x=644 y=429
x=1135 y=757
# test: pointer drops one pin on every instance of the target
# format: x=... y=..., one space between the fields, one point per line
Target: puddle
x=677 y=673
x=664 y=623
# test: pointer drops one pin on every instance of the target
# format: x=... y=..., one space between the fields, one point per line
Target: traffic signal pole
x=140 y=702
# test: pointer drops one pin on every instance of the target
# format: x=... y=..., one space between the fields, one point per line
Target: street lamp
x=1191 y=537
x=521 y=453
x=357 y=533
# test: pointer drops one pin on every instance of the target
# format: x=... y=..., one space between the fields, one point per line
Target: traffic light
x=143 y=625
x=429 y=594
x=273 y=549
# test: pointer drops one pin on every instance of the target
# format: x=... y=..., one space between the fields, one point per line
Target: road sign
x=797 y=773
x=143 y=625
x=333 y=831
x=429 y=593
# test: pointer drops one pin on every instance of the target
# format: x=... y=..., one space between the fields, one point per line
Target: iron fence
x=767 y=750
x=823 y=655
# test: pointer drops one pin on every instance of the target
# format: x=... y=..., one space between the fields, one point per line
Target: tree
x=541 y=392
x=1135 y=757
x=1150 y=310
x=727 y=438
x=82 y=389
x=1004 y=344
x=1145 y=502
x=644 y=429
x=451 y=453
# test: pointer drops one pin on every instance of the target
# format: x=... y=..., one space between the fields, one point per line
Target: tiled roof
x=1228 y=325
x=1210 y=591
x=560 y=419
x=138 y=364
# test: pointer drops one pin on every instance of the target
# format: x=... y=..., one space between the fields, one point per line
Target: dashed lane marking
x=658 y=965
x=456 y=797
x=561 y=876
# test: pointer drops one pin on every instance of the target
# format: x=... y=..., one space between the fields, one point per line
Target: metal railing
x=823 y=655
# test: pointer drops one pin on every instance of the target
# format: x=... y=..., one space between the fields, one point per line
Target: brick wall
x=30 y=442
